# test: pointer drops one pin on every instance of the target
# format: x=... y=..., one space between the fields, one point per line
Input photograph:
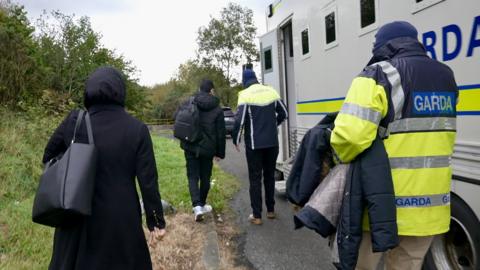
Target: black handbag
x=66 y=186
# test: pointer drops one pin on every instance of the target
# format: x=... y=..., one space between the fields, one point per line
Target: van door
x=270 y=55
x=290 y=91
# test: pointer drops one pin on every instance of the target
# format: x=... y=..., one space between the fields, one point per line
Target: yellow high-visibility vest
x=419 y=146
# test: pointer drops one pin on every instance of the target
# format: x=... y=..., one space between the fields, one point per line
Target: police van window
x=330 y=28
x=305 y=42
x=267 y=60
x=367 y=12
x=419 y=5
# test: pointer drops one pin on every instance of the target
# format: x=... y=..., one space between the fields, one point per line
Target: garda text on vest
x=434 y=103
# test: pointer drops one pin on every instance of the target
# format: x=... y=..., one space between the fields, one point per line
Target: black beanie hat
x=393 y=30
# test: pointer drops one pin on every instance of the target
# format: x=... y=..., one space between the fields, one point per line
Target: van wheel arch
x=460 y=247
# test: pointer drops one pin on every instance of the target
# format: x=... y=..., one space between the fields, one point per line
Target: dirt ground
x=182 y=247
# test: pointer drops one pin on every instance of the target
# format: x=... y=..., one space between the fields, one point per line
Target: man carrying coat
x=199 y=155
x=260 y=111
x=409 y=100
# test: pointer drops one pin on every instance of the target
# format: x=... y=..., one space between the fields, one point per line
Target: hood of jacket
x=104 y=86
x=205 y=101
x=398 y=47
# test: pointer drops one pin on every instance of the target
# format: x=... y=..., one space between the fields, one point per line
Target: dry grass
x=181 y=247
x=183 y=244
x=228 y=236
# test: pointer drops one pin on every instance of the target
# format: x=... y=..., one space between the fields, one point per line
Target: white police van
x=312 y=50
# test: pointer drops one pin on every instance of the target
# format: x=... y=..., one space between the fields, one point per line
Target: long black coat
x=112 y=237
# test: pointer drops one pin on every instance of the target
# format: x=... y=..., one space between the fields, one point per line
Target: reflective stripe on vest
x=397 y=94
x=418 y=168
x=242 y=122
x=251 y=127
x=422 y=201
x=420 y=162
x=423 y=125
x=362 y=112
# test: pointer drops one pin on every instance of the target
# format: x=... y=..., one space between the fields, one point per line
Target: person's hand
x=157 y=234
x=237 y=146
x=217 y=159
x=296 y=208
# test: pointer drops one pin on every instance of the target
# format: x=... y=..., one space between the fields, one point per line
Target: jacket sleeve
x=281 y=110
x=221 y=133
x=356 y=125
x=239 y=121
x=56 y=144
x=146 y=169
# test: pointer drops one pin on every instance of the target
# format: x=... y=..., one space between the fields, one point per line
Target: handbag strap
x=88 y=123
x=77 y=124
x=89 y=128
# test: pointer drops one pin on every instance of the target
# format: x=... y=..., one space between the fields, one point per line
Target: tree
x=228 y=41
x=71 y=50
x=49 y=69
x=19 y=74
x=168 y=96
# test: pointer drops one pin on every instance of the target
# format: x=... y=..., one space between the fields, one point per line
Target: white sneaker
x=207 y=208
x=198 y=213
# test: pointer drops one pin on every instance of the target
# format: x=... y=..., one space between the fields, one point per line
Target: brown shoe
x=254 y=220
x=271 y=215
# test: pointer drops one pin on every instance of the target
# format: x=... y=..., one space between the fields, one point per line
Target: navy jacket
x=260 y=111
x=305 y=174
x=368 y=187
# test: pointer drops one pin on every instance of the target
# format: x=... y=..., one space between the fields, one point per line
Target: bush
x=23 y=135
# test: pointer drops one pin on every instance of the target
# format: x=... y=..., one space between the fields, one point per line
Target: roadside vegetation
x=46 y=62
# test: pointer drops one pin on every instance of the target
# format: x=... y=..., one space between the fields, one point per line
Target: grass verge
x=173 y=180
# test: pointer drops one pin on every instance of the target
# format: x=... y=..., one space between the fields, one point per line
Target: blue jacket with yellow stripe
x=410 y=100
x=260 y=110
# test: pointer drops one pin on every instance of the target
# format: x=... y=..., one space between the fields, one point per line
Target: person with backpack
x=260 y=111
x=200 y=126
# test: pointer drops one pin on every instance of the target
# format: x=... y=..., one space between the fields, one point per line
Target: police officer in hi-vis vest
x=260 y=111
x=409 y=100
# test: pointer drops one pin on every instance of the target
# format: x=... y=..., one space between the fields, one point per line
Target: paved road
x=274 y=245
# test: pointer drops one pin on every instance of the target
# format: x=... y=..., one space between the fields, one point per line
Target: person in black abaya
x=112 y=237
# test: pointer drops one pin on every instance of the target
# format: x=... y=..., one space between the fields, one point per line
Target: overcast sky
x=157 y=36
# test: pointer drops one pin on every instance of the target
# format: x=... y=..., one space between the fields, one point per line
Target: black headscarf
x=206 y=86
x=105 y=85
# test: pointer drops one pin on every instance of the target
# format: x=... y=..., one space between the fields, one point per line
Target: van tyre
x=460 y=247
x=278 y=175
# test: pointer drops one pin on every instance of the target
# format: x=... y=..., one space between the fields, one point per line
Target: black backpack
x=187 y=122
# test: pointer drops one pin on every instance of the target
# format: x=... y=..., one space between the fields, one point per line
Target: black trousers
x=262 y=161
x=199 y=171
